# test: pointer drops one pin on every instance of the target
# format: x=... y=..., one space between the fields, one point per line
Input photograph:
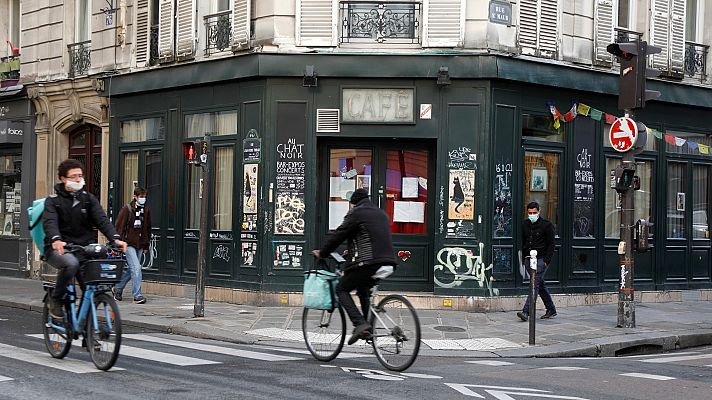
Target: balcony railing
x=382 y=22
x=79 y=58
x=696 y=60
x=218 y=32
x=153 y=55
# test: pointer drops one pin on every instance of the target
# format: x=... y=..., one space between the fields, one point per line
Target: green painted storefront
x=490 y=128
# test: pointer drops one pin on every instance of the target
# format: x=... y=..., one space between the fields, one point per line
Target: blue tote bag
x=319 y=288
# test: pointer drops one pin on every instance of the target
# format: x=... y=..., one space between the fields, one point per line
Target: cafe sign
x=388 y=105
x=11 y=132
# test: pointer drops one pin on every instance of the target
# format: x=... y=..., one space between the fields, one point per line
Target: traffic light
x=633 y=57
x=191 y=151
x=625 y=177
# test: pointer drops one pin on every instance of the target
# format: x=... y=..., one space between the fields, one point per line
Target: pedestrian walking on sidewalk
x=134 y=226
x=538 y=234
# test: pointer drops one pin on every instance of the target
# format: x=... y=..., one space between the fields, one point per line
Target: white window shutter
x=603 y=31
x=185 y=29
x=143 y=33
x=677 y=36
x=241 y=14
x=443 y=23
x=528 y=24
x=659 y=31
x=316 y=22
x=548 y=28
x=165 y=30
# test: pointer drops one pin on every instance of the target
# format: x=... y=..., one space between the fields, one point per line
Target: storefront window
x=223 y=193
x=691 y=145
x=154 y=186
x=141 y=130
x=407 y=190
x=216 y=123
x=10 y=205
x=541 y=183
x=651 y=143
x=349 y=169
x=130 y=175
x=541 y=127
x=700 y=202
x=643 y=198
x=676 y=201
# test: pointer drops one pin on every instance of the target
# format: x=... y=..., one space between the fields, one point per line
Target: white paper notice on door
x=341 y=188
x=337 y=212
x=409 y=188
x=409 y=211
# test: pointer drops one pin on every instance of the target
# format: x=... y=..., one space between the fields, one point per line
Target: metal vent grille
x=327 y=120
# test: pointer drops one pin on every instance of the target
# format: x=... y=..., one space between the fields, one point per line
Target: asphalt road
x=159 y=366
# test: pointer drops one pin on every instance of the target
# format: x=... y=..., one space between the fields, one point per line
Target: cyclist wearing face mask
x=538 y=234
x=134 y=223
x=70 y=216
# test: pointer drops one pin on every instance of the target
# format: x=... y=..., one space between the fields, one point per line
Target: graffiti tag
x=461 y=265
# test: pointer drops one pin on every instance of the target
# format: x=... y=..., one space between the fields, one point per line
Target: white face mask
x=74 y=186
x=141 y=201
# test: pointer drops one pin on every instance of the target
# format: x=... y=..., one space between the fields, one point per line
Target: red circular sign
x=623 y=134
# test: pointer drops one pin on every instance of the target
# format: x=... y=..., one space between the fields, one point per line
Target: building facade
x=444 y=109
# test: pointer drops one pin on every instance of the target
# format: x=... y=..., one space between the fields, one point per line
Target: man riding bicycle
x=370 y=252
x=70 y=216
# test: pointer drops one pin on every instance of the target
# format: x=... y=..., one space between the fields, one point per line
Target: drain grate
x=447 y=328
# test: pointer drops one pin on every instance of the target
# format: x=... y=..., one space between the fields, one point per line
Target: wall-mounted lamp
x=443 y=77
x=310 y=79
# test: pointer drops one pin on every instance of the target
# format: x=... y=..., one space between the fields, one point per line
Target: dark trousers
x=67 y=267
x=540 y=286
x=359 y=279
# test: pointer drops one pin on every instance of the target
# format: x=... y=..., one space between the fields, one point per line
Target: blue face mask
x=141 y=201
x=533 y=217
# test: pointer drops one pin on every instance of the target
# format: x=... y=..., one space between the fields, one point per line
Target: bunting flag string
x=588 y=111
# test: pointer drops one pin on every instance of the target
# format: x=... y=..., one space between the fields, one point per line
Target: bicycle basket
x=103 y=271
x=320 y=289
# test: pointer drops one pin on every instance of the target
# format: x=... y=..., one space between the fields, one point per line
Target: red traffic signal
x=634 y=71
x=190 y=151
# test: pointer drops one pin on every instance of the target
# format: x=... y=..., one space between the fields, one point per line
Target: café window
x=216 y=123
x=700 y=201
x=141 y=130
x=222 y=188
x=10 y=202
x=541 y=127
x=541 y=184
x=692 y=143
x=130 y=175
x=643 y=198
x=676 y=201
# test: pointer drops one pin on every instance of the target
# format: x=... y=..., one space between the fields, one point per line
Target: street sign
x=623 y=134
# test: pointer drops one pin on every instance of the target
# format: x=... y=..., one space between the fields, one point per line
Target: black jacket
x=72 y=217
x=538 y=236
x=369 y=234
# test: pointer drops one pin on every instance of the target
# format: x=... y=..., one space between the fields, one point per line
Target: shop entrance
x=397 y=178
x=85 y=146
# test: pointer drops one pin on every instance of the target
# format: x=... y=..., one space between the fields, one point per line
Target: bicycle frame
x=78 y=319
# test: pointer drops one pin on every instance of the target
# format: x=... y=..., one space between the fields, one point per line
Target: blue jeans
x=540 y=287
x=134 y=272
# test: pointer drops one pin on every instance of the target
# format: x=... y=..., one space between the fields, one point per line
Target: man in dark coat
x=134 y=223
x=370 y=247
x=538 y=234
x=70 y=216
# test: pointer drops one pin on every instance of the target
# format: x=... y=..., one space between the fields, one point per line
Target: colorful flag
x=692 y=145
x=704 y=149
x=556 y=114
x=583 y=109
x=610 y=119
x=571 y=114
x=657 y=133
x=670 y=139
x=679 y=141
x=596 y=114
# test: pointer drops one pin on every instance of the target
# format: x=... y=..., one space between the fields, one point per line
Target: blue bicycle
x=97 y=316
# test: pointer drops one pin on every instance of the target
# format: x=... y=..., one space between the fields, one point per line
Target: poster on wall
x=462 y=195
x=289 y=199
x=249 y=196
x=288 y=255
x=249 y=250
x=502 y=218
x=584 y=200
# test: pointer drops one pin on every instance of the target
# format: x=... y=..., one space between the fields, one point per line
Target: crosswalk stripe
x=44 y=359
x=563 y=368
x=677 y=358
x=300 y=351
x=211 y=348
x=648 y=376
x=490 y=363
x=5 y=378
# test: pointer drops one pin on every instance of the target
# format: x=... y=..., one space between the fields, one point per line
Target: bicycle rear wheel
x=396 y=332
x=58 y=343
x=104 y=343
x=324 y=332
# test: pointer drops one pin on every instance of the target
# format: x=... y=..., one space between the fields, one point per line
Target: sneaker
x=56 y=309
x=523 y=316
x=140 y=300
x=362 y=331
x=549 y=314
x=117 y=294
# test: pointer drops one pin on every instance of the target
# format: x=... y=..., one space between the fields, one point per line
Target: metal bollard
x=532 y=296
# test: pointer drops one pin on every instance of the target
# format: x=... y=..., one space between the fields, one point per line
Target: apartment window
x=222 y=5
x=692 y=12
x=14 y=23
x=625 y=14
x=83 y=28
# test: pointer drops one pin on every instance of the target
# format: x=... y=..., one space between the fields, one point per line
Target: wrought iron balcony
x=696 y=60
x=79 y=58
x=382 y=22
x=218 y=32
x=153 y=55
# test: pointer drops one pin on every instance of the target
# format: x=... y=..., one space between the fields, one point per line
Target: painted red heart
x=404 y=255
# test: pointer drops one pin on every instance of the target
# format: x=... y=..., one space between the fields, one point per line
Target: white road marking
x=648 y=376
x=490 y=363
x=301 y=351
x=421 y=376
x=503 y=393
x=166 y=358
x=564 y=368
x=4 y=319
x=481 y=344
x=677 y=358
x=211 y=348
x=44 y=359
x=5 y=378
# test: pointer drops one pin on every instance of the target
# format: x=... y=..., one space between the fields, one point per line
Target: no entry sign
x=623 y=134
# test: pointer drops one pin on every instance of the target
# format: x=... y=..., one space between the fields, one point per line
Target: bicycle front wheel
x=396 y=332
x=58 y=343
x=104 y=340
x=324 y=332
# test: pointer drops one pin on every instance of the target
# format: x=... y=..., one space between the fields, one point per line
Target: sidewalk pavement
x=576 y=332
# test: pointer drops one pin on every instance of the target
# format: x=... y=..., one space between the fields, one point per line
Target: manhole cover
x=445 y=328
